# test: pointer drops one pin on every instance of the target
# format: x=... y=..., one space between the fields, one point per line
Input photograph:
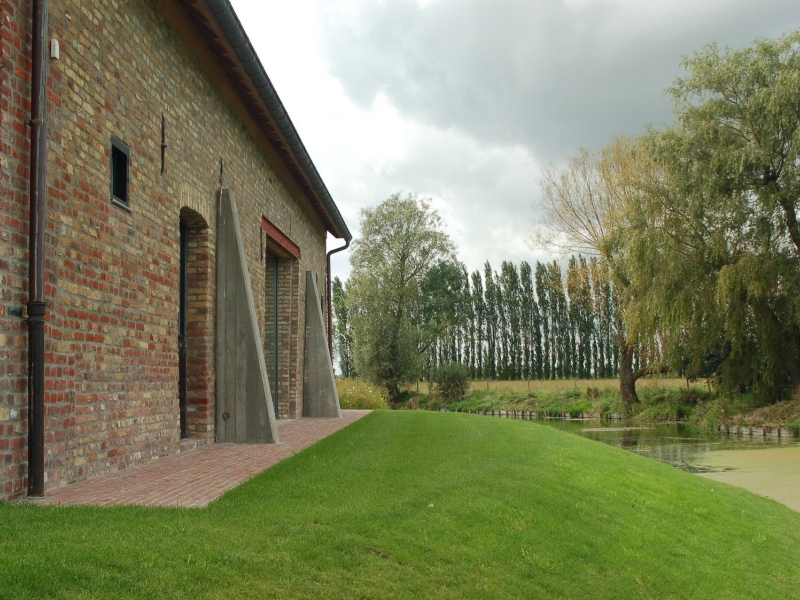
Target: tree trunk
x=793 y=361
x=628 y=377
x=394 y=392
x=627 y=384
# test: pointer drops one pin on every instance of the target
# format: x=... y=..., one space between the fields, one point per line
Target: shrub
x=355 y=394
x=452 y=381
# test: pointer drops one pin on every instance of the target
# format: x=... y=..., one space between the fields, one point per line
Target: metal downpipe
x=330 y=302
x=37 y=308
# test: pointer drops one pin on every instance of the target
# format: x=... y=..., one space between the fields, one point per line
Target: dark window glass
x=119 y=171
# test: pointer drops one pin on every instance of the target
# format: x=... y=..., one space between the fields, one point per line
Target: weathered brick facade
x=112 y=275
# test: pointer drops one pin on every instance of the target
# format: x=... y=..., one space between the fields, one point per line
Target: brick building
x=182 y=213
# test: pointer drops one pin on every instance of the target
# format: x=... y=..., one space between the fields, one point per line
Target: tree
x=479 y=310
x=401 y=239
x=531 y=326
x=715 y=243
x=443 y=308
x=510 y=283
x=558 y=321
x=583 y=203
x=491 y=318
x=579 y=293
x=342 y=330
x=468 y=323
x=544 y=365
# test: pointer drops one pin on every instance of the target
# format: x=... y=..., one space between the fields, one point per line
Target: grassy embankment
x=421 y=504
x=660 y=399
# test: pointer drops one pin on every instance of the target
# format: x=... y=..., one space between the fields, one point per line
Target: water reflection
x=676 y=444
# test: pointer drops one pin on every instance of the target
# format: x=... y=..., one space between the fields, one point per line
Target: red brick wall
x=14 y=149
x=112 y=275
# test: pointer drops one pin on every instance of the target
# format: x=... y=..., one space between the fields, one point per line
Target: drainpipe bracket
x=36 y=309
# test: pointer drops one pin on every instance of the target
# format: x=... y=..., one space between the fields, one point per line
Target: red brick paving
x=195 y=477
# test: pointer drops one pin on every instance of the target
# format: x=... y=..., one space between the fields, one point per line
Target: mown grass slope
x=419 y=504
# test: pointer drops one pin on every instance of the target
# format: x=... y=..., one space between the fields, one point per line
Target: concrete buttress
x=320 y=398
x=244 y=411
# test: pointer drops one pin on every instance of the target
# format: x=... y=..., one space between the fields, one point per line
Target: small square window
x=119 y=172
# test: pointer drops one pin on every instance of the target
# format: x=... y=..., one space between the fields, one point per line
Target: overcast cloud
x=465 y=100
x=547 y=74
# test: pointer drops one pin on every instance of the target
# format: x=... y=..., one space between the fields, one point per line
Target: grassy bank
x=745 y=411
x=660 y=399
x=420 y=504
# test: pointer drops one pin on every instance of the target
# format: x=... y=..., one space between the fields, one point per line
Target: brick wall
x=112 y=274
x=14 y=149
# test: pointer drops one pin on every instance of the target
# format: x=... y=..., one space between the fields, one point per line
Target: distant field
x=538 y=385
x=558 y=385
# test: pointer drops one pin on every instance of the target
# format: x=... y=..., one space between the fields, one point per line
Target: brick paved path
x=195 y=477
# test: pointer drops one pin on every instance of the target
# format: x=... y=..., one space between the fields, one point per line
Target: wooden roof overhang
x=210 y=27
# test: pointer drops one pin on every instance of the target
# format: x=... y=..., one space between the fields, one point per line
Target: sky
x=465 y=101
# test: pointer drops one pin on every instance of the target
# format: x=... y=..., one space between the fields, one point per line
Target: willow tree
x=715 y=244
x=401 y=240
x=583 y=202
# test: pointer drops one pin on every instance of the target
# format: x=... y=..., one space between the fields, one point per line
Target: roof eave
x=250 y=65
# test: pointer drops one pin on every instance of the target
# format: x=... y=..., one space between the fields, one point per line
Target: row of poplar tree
x=518 y=322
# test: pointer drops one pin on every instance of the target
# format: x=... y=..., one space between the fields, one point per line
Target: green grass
x=419 y=504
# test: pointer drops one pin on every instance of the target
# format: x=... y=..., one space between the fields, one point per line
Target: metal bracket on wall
x=163 y=144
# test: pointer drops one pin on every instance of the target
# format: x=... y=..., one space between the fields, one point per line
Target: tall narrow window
x=119 y=172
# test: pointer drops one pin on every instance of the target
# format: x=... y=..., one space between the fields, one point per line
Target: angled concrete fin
x=244 y=403
x=320 y=398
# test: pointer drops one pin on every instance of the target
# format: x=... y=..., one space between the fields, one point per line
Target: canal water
x=676 y=444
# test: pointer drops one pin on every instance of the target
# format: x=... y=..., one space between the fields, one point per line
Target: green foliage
x=658 y=403
x=445 y=307
x=695 y=247
x=478 y=328
x=581 y=315
x=342 y=330
x=356 y=394
x=401 y=239
x=669 y=404
x=452 y=381
x=713 y=243
x=550 y=403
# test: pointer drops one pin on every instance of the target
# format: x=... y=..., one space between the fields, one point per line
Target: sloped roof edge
x=230 y=25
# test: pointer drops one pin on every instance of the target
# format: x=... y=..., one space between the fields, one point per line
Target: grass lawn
x=419 y=504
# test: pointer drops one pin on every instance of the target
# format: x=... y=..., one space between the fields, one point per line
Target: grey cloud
x=484 y=193
x=541 y=73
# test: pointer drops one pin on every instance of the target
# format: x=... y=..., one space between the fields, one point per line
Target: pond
x=676 y=444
